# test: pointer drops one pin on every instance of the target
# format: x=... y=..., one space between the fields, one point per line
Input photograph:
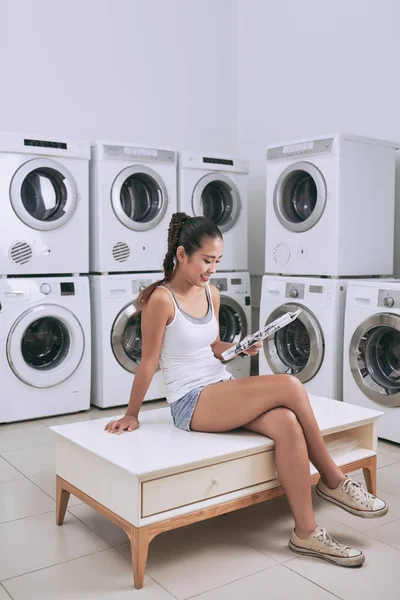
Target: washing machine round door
x=374 y=356
x=297 y=349
x=139 y=198
x=232 y=321
x=217 y=197
x=45 y=345
x=300 y=196
x=43 y=194
x=126 y=338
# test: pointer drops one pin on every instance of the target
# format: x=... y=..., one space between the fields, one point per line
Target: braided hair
x=185 y=231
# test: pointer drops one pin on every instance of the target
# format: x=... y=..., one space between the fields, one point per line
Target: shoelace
x=324 y=537
x=357 y=492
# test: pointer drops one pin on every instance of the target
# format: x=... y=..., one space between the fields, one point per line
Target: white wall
x=152 y=71
x=307 y=68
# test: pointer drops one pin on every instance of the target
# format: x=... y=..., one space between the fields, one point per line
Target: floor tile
x=24 y=435
x=277 y=583
x=385 y=460
x=100 y=576
x=388 y=534
x=388 y=479
x=38 y=460
x=7 y=472
x=377 y=578
x=70 y=418
x=36 y=542
x=104 y=528
x=47 y=483
x=389 y=448
x=21 y=498
x=195 y=559
x=3 y=594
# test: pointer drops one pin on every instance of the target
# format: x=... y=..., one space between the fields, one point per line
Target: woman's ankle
x=302 y=533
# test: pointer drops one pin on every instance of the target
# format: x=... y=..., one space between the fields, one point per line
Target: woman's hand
x=127 y=423
x=254 y=349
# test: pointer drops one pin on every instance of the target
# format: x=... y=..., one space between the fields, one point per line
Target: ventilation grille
x=281 y=254
x=121 y=252
x=20 y=253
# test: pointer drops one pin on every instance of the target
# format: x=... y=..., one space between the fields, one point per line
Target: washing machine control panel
x=295 y=290
x=301 y=149
x=142 y=154
x=389 y=298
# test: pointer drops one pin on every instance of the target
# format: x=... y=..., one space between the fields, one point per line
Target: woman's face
x=199 y=267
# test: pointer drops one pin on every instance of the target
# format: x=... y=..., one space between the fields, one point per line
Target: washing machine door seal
x=43 y=194
x=139 y=198
x=45 y=345
x=126 y=338
x=300 y=196
x=297 y=349
x=374 y=357
x=233 y=324
x=217 y=197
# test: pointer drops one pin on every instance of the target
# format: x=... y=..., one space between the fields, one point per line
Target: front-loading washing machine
x=371 y=365
x=311 y=347
x=133 y=194
x=45 y=347
x=216 y=187
x=44 y=190
x=234 y=315
x=326 y=197
x=117 y=339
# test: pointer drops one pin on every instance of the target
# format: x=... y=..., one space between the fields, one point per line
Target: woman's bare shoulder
x=160 y=301
x=214 y=291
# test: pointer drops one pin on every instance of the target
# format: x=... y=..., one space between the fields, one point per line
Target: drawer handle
x=216 y=481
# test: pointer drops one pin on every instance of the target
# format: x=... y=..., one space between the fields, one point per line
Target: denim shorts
x=182 y=410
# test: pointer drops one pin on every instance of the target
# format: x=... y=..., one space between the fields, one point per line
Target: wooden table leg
x=140 y=541
x=370 y=475
x=62 y=497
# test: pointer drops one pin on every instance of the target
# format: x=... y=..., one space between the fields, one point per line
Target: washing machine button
x=294 y=293
x=388 y=301
x=45 y=288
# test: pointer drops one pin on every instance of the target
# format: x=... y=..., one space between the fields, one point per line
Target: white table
x=159 y=478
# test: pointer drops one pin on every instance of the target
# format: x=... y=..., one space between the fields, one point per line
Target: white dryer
x=44 y=190
x=371 y=365
x=116 y=338
x=234 y=315
x=44 y=347
x=216 y=187
x=133 y=194
x=319 y=193
x=311 y=347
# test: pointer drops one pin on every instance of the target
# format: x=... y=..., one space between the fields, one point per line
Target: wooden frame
x=140 y=537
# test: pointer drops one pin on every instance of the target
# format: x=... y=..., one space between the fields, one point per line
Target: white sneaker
x=322 y=545
x=351 y=496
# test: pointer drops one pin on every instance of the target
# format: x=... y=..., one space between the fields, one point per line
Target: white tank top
x=186 y=358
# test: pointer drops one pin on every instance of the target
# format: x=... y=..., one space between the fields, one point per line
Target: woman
x=180 y=331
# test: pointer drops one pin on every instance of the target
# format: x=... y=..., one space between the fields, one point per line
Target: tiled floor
x=241 y=555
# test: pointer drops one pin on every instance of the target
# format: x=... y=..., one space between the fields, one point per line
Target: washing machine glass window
x=45 y=345
x=300 y=196
x=298 y=348
x=43 y=194
x=139 y=198
x=232 y=321
x=216 y=197
x=374 y=356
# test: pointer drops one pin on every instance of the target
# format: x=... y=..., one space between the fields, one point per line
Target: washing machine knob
x=388 y=301
x=294 y=293
x=218 y=286
x=45 y=288
x=142 y=288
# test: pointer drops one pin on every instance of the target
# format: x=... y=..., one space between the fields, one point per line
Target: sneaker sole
x=371 y=514
x=355 y=561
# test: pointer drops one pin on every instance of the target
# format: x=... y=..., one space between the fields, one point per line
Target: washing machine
x=44 y=190
x=317 y=192
x=371 y=365
x=133 y=194
x=311 y=347
x=45 y=347
x=116 y=338
x=216 y=187
x=234 y=315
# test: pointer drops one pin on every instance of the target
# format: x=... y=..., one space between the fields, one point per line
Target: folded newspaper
x=261 y=334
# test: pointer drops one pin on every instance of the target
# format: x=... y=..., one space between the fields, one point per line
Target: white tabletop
x=158 y=445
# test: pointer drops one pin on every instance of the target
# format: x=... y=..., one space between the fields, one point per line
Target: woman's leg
x=230 y=404
x=292 y=463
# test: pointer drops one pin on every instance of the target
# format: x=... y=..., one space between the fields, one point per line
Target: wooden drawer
x=173 y=491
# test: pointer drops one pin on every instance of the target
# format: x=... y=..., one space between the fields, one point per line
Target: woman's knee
x=286 y=424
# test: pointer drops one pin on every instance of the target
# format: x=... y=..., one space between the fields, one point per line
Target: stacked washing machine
x=45 y=349
x=216 y=186
x=329 y=223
